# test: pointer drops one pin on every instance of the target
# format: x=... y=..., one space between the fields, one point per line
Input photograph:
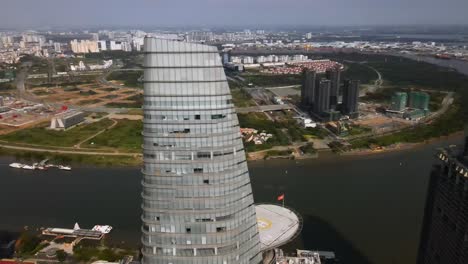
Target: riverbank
x=403 y=146
x=95 y=159
x=136 y=160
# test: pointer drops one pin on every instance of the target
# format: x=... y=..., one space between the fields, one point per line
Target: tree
x=61 y=255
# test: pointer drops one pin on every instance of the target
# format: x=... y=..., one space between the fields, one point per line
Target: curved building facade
x=197 y=198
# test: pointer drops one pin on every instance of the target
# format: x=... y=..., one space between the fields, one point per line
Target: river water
x=367 y=209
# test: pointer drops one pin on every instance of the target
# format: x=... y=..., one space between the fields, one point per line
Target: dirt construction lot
x=86 y=95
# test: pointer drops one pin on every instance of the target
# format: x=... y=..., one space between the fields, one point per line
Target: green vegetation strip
x=98 y=160
x=284 y=132
x=42 y=136
x=241 y=98
x=129 y=78
x=125 y=135
x=449 y=123
x=273 y=80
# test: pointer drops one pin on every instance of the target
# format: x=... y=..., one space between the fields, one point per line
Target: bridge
x=263 y=108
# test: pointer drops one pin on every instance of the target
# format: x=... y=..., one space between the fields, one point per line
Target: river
x=368 y=209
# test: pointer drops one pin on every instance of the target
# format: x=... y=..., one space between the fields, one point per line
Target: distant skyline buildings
x=241 y=12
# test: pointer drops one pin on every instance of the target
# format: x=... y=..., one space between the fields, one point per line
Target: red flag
x=281 y=197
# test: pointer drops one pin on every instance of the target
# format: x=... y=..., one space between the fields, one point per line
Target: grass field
x=284 y=132
x=241 y=98
x=42 y=136
x=89 y=102
x=356 y=71
x=125 y=135
x=136 y=102
x=274 y=80
x=123 y=105
x=98 y=160
x=129 y=78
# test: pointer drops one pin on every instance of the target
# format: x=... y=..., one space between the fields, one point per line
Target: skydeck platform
x=277 y=225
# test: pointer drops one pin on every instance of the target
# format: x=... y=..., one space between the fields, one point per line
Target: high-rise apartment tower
x=308 y=88
x=350 y=97
x=322 y=96
x=334 y=75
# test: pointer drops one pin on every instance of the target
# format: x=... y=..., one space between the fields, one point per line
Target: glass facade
x=197 y=198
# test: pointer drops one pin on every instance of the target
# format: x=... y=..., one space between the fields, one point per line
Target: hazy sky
x=230 y=12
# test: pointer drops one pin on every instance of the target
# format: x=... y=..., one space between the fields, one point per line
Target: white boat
x=104 y=229
x=17 y=165
x=67 y=168
x=28 y=167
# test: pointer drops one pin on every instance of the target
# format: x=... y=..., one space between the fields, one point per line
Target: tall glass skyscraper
x=197 y=198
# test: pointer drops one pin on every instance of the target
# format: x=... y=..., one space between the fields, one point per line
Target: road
x=377 y=83
x=78 y=146
x=263 y=108
x=79 y=152
x=103 y=78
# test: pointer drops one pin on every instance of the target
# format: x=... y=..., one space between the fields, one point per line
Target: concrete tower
x=322 y=96
x=197 y=198
x=350 y=97
x=308 y=88
x=334 y=75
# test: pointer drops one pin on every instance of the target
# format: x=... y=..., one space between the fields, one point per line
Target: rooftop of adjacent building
x=7 y=237
x=457 y=153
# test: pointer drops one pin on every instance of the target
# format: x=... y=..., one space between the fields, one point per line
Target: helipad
x=277 y=225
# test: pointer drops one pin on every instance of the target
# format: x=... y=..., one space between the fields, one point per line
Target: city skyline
x=25 y=13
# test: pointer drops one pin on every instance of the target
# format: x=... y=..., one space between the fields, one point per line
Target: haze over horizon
x=55 y=13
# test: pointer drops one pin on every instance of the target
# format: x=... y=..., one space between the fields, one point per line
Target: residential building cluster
x=319 y=66
x=252 y=135
x=84 y=46
x=83 y=67
x=320 y=94
x=411 y=106
x=267 y=59
x=67 y=44
x=440 y=50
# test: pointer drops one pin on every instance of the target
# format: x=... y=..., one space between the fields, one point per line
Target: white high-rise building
x=102 y=45
x=95 y=36
x=84 y=46
x=57 y=47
